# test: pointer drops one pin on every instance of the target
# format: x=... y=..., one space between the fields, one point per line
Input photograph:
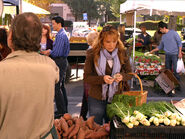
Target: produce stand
x=152 y=120
x=119 y=131
x=147 y=65
x=77 y=54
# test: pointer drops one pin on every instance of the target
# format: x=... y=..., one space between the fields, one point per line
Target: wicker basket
x=141 y=96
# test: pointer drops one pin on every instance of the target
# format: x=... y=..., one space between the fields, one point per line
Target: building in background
x=62 y=10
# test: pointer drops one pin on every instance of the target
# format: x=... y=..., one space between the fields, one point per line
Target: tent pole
x=120 y=18
x=20 y=6
x=134 y=37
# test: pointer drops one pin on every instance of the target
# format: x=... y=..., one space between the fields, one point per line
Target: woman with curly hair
x=106 y=67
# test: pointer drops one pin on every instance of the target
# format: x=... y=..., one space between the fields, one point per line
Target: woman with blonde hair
x=91 y=37
x=106 y=67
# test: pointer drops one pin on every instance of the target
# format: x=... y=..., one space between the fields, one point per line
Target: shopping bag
x=180 y=66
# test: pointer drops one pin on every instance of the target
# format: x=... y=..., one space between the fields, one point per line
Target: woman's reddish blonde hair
x=97 y=46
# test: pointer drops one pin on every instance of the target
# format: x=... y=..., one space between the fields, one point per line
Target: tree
x=78 y=7
x=114 y=6
x=43 y=3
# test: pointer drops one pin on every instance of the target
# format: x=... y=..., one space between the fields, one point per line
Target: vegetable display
x=151 y=113
x=69 y=127
x=147 y=64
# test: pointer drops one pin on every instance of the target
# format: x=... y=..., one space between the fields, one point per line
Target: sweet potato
x=69 y=131
x=96 y=126
x=99 y=134
x=107 y=127
x=87 y=132
x=81 y=134
x=76 y=128
x=57 y=124
x=90 y=122
x=70 y=122
x=67 y=116
x=63 y=124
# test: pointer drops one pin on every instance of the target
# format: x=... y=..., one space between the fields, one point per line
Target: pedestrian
x=157 y=38
x=121 y=29
x=145 y=39
x=171 y=44
x=4 y=49
x=27 y=84
x=61 y=48
x=46 y=41
x=106 y=66
x=91 y=37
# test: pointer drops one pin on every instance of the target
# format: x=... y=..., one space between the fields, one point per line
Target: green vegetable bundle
x=149 y=113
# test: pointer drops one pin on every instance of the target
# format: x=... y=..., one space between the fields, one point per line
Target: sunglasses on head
x=108 y=28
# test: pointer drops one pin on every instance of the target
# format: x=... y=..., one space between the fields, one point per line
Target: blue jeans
x=97 y=108
x=60 y=91
x=171 y=63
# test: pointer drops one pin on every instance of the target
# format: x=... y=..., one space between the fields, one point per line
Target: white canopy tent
x=151 y=7
x=22 y=6
x=28 y=7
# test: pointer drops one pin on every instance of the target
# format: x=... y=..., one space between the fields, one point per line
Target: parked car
x=129 y=32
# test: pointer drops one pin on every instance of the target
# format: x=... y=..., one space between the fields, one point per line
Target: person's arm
x=58 y=45
x=161 y=46
x=90 y=76
x=154 y=50
x=179 y=44
x=180 y=52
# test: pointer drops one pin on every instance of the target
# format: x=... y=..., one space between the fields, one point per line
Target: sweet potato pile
x=69 y=127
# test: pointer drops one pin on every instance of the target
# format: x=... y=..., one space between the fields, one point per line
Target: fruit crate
x=121 y=131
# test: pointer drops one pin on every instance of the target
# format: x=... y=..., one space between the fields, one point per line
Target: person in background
x=171 y=44
x=106 y=66
x=27 y=84
x=145 y=39
x=4 y=49
x=121 y=30
x=91 y=38
x=157 y=38
x=46 y=41
x=61 y=48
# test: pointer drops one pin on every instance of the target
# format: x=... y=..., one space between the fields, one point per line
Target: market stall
x=151 y=7
x=150 y=120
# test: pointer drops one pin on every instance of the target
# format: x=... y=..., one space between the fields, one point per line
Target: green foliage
x=113 y=23
x=153 y=25
x=119 y=109
x=78 y=7
x=125 y=99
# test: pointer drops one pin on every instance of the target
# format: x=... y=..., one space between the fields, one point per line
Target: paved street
x=75 y=93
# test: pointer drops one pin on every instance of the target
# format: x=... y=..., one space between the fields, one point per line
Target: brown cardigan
x=91 y=77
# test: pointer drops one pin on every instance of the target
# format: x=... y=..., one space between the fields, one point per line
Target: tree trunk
x=89 y=21
x=76 y=17
x=172 y=22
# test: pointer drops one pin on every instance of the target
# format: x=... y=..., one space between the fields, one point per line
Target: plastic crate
x=120 y=131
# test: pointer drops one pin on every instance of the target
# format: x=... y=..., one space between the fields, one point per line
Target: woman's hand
x=118 y=77
x=108 y=79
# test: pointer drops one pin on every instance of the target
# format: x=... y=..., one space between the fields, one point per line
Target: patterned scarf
x=104 y=56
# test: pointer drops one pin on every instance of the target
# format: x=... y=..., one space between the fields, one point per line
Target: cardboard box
x=165 y=83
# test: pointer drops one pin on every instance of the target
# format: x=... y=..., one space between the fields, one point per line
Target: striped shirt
x=61 y=46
